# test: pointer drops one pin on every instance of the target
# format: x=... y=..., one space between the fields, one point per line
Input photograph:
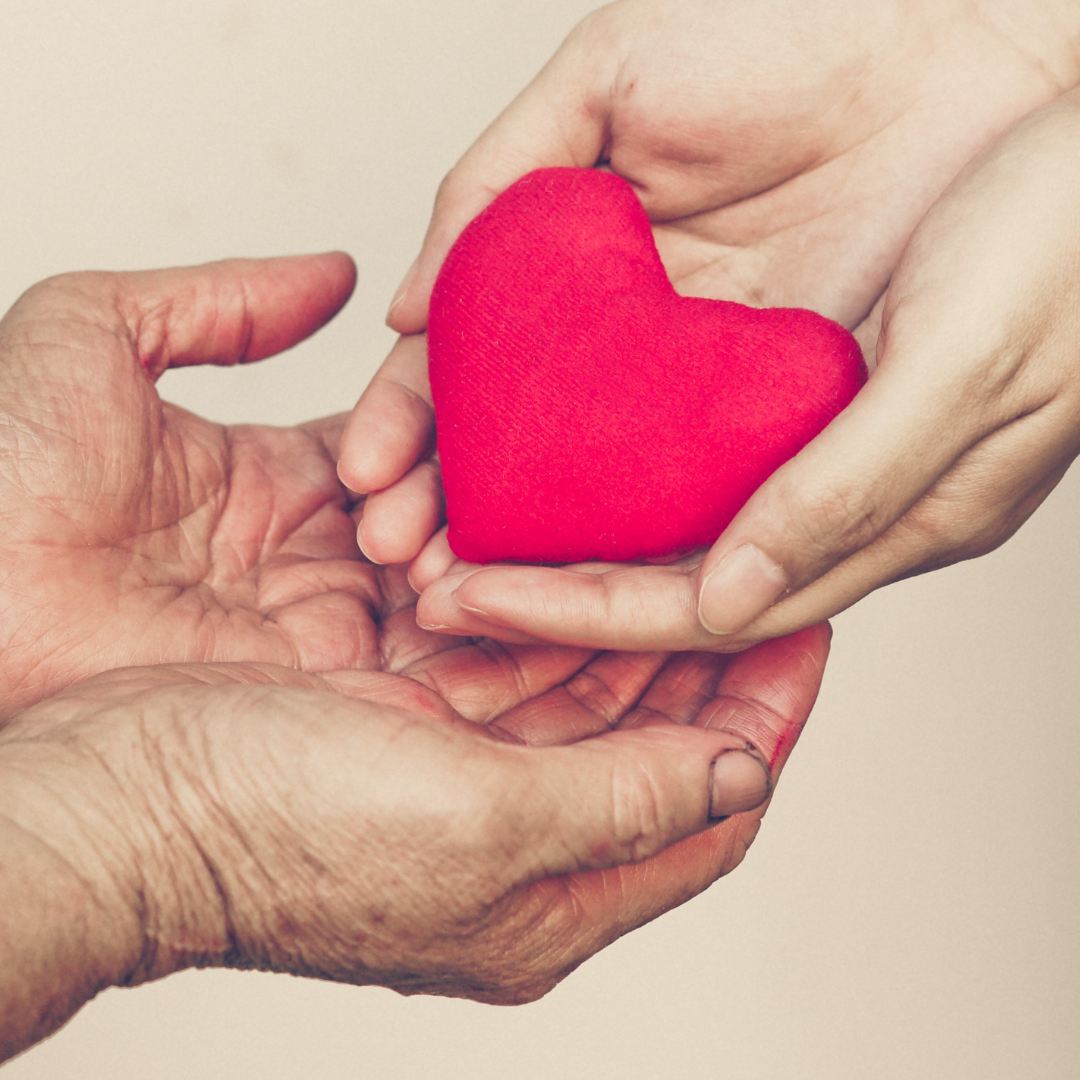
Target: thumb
x=968 y=421
x=765 y=695
x=627 y=795
x=558 y=119
x=221 y=313
x=835 y=498
x=230 y=312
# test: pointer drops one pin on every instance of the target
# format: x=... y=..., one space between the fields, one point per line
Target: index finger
x=392 y=426
x=605 y=606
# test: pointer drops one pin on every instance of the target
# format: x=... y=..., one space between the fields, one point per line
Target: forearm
x=57 y=949
x=63 y=937
x=82 y=881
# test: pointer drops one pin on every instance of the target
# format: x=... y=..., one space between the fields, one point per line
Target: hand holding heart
x=463 y=845
x=764 y=186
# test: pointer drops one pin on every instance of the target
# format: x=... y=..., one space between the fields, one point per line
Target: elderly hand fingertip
x=739 y=780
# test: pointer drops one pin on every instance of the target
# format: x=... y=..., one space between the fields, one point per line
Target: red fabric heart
x=584 y=409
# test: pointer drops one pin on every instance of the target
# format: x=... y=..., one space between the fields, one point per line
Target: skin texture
x=852 y=158
x=137 y=533
x=253 y=816
x=296 y=776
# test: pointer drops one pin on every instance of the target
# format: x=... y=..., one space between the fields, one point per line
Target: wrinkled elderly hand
x=785 y=152
x=352 y=826
x=136 y=532
x=133 y=531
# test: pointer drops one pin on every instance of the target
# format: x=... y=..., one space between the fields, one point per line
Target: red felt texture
x=587 y=411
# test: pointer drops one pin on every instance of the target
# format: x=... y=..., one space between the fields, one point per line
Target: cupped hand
x=786 y=152
x=137 y=533
x=978 y=377
x=353 y=826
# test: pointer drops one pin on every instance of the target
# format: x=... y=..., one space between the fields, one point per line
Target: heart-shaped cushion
x=585 y=410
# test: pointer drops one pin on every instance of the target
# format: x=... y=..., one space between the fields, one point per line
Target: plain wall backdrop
x=909 y=907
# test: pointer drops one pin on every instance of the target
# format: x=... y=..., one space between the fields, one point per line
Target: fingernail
x=745 y=584
x=740 y=781
x=363 y=550
x=403 y=289
x=342 y=468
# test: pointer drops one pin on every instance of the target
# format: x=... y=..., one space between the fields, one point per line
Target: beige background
x=909 y=909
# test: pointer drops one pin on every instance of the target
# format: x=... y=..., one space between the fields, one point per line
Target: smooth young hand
x=786 y=152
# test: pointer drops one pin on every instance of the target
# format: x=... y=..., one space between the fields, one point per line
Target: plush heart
x=585 y=410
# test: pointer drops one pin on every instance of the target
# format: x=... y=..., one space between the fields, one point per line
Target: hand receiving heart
x=587 y=411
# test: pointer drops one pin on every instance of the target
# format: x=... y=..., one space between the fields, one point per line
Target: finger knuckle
x=639 y=813
x=833 y=521
x=947 y=539
x=454 y=186
x=937 y=532
x=516 y=990
x=531 y=941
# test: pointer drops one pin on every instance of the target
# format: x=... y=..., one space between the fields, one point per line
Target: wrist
x=65 y=931
x=97 y=888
